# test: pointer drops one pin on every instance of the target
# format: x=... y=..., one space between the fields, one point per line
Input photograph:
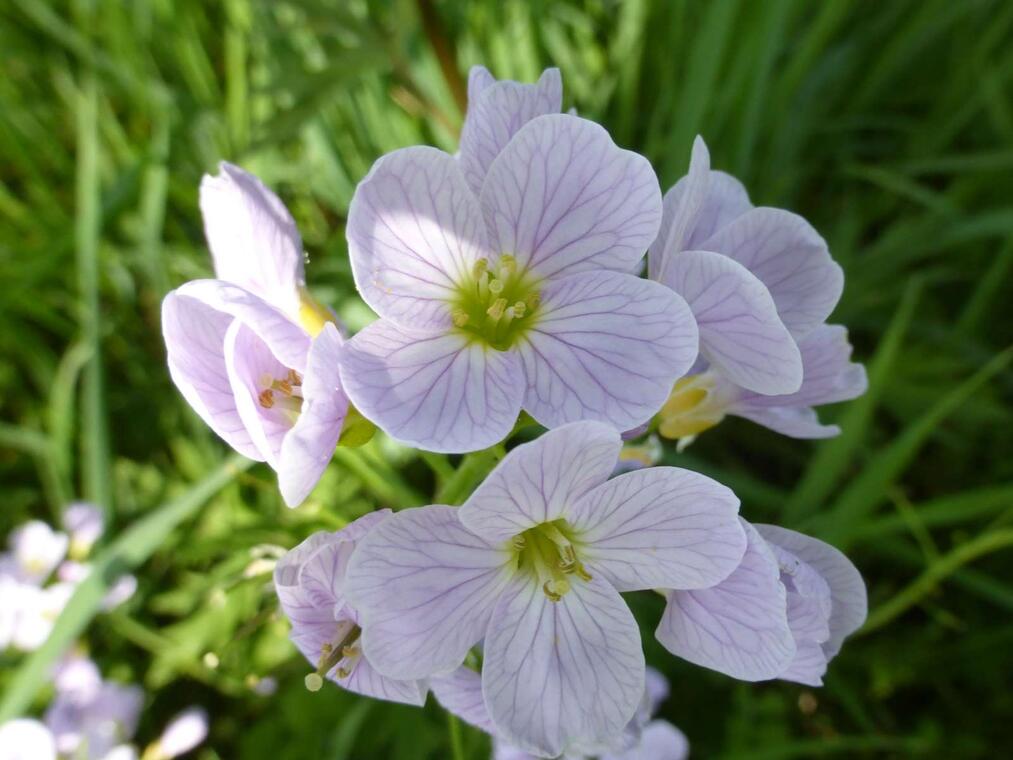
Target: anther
x=518 y=542
x=496 y=310
x=507 y=265
x=483 y=287
x=547 y=588
x=533 y=301
x=581 y=573
x=266 y=398
x=344 y=672
x=519 y=308
x=294 y=378
x=496 y=287
x=479 y=268
x=284 y=386
x=459 y=317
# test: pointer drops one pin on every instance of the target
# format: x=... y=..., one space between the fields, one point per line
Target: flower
x=184 y=732
x=91 y=724
x=702 y=400
x=460 y=692
x=760 y=282
x=36 y=550
x=533 y=563
x=35 y=612
x=310 y=583
x=251 y=352
x=85 y=523
x=26 y=739
x=503 y=279
x=783 y=613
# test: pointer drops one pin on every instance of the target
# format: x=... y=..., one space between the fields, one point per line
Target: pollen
x=498 y=304
x=266 y=398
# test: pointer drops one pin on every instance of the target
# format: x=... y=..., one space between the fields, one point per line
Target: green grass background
x=888 y=124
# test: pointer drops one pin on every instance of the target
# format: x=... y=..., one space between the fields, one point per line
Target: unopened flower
x=534 y=563
x=257 y=364
x=36 y=550
x=783 y=613
x=26 y=739
x=184 y=732
x=85 y=523
x=516 y=293
x=310 y=581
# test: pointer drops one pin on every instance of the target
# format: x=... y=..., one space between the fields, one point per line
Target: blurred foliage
x=889 y=125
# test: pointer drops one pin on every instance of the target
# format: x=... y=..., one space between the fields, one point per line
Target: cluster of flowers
x=41 y=569
x=508 y=281
x=89 y=718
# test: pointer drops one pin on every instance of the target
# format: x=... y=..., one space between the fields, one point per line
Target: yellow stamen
x=266 y=398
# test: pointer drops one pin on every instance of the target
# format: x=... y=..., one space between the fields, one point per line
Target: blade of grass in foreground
x=129 y=550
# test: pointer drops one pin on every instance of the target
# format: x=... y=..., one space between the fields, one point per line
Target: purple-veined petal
x=253 y=239
x=849 y=604
x=740 y=626
x=680 y=209
x=794 y=421
x=438 y=391
x=727 y=199
x=561 y=673
x=537 y=482
x=790 y=258
x=460 y=692
x=249 y=360
x=425 y=588
x=309 y=445
x=605 y=346
x=662 y=527
x=741 y=334
x=829 y=375
x=659 y=741
x=563 y=198
x=365 y=679
x=414 y=233
x=496 y=111
x=808 y=666
x=286 y=339
x=195 y=343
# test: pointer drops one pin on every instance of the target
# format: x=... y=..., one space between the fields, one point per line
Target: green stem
x=472 y=471
x=456 y=740
x=385 y=486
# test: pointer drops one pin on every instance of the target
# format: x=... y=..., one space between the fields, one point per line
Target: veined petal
x=434 y=390
x=365 y=679
x=309 y=445
x=659 y=741
x=460 y=692
x=537 y=482
x=680 y=209
x=809 y=665
x=741 y=334
x=496 y=110
x=794 y=421
x=563 y=198
x=286 y=339
x=248 y=359
x=790 y=258
x=607 y=347
x=253 y=239
x=738 y=627
x=414 y=232
x=849 y=605
x=662 y=527
x=425 y=588
x=195 y=342
x=561 y=673
x=727 y=199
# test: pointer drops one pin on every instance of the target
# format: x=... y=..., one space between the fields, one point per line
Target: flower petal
x=195 y=343
x=659 y=741
x=608 y=347
x=460 y=692
x=414 y=232
x=309 y=445
x=253 y=239
x=365 y=679
x=561 y=673
x=794 y=421
x=790 y=258
x=286 y=339
x=741 y=334
x=680 y=209
x=435 y=391
x=425 y=588
x=248 y=359
x=849 y=604
x=496 y=110
x=740 y=626
x=538 y=481
x=662 y=527
x=563 y=198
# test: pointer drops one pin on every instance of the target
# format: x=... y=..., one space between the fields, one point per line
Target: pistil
x=340 y=653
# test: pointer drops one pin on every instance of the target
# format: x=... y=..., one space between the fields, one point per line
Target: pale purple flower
x=534 y=563
x=36 y=550
x=503 y=279
x=73 y=573
x=783 y=613
x=460 y=692
x=701 y=400
x=310 y=581
x=77 y=677
x=85 y=523
x=184 y=732
x=35 y=612
x=89 y=726
x=26 y=739
x=250 y=352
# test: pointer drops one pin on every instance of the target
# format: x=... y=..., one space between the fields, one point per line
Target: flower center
x=497 y=304
x=283 y=394
x=342 y=653
x=693 y=407
x=548 y=552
